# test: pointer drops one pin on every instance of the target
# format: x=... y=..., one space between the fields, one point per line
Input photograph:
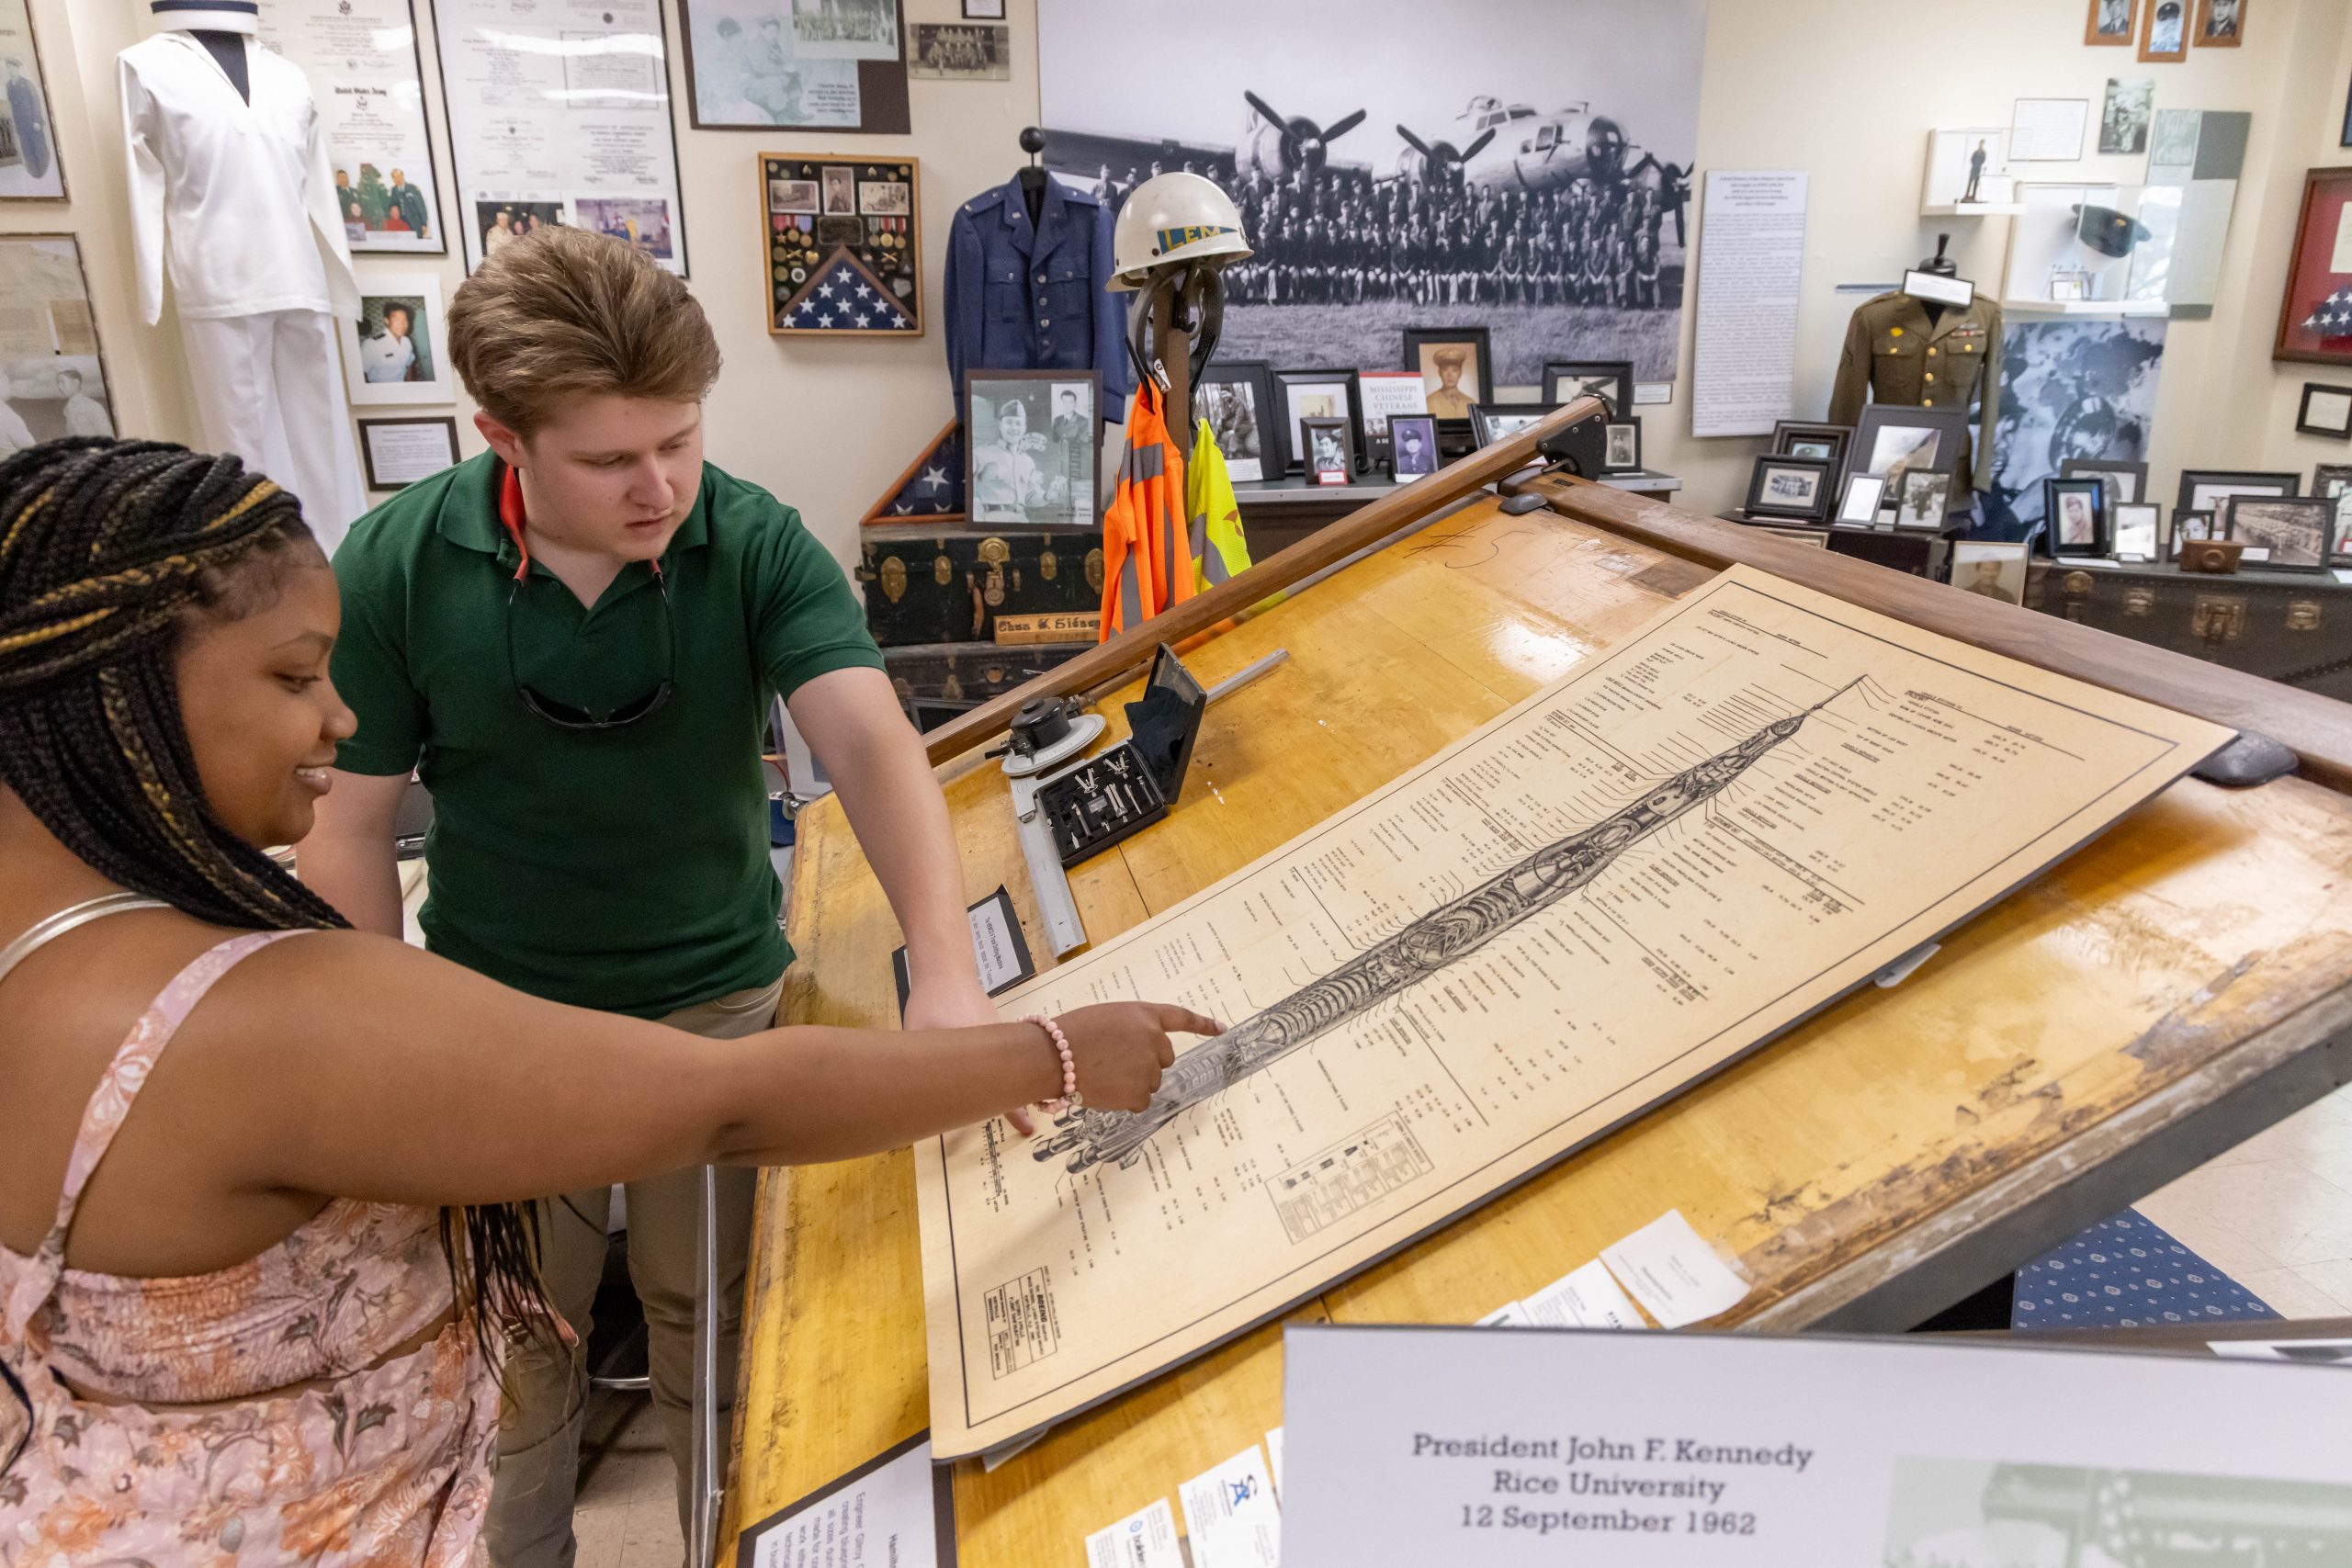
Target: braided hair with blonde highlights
x=109 y=551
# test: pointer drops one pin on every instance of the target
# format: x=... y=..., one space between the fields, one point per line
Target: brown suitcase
x=2293 y=627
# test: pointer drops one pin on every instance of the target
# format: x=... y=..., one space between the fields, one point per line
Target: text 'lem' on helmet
x=1174 y=218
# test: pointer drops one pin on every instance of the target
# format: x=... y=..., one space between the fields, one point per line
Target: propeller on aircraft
x=1304 y=145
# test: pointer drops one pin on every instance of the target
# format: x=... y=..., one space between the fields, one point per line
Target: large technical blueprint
x=1626 y=881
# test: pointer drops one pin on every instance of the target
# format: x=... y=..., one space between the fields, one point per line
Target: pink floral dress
x=375 y=1466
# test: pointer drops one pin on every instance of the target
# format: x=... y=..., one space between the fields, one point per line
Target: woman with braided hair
x=253 y=1290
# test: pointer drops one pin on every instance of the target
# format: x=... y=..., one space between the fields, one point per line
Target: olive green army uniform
x=1894 y=354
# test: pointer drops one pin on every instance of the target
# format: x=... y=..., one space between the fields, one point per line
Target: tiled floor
x=2275 y=1214
x=626 y=1515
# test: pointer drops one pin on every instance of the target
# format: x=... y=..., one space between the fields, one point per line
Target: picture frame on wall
x=1237 y=398
x=2326 y=411
x=2221 y=24
x=2206 y=489
x=2316 y=309
x=2125 y=482
x=2076 y=516
x=1795 y=489
x=378 y=150
x=32 y=167
x=397 y=351
x=1033 y=441
x=2297 y=531
x=57 y=383
x=1457 y=366
x=984 y=10
x=2110 y=22
x=397 y=453
x=1319 y=394
x=844 y=240
x=2163 y=31
x=778 y=65
x=1610 y=381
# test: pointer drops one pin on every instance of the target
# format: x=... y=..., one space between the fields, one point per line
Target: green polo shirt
x=623 y=869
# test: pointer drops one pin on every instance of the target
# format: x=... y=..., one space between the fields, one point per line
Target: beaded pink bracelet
x=1069 y=1067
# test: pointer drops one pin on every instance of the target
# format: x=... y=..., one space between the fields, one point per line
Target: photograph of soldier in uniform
x=1033 y=450
x=1231 y=409
x=2167 y=30
x=1993 y=569
x=1386 y=184
x=1328 y=459
x=2123 y=124
x=390 y=351
x=840 y=189
x=2216 y=22
x=1412 y=440
x=1450 y=372
x=1926 y=498
x=2110 y=22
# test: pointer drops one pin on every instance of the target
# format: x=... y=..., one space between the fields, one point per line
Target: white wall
x=1845 y=89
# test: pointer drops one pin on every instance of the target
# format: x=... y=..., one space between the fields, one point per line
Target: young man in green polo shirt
x=574 y=639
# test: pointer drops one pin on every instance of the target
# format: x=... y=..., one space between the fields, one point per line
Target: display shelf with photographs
x=1033 y=441
x=1798 y=490
x=844 y=241
x=1237 y=398
x=2207 y=490
x=1318 y=394
x=1491 y=423
x=1412 y=445
x=31 y=167
x=1331 y=456
x=2079 y=520
x=1612 y=380
x=777 y=64
x=2298 y=531
x=1456 y=365
x=56 y=373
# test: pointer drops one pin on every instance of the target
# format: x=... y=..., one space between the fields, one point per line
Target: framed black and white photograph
x=1991 y=569
x=1893 y=439
x=1491 y=423
x=2207 y=490
x=56 y=375
x=2139 y=530
x=960 y=51
x=2334 y=481
x=2077 y=510
x=2123 y=121
x=2188 y=525
x=1621 y=450
x=984 y=10
x=2221 y=24
x=1330 y=450
x=397 y=352
x=1033 y=441
x=1318 y=394
x=1797 y=488
x=29 y=167
x=1412 y=445
x=1610 y=381
x=1456 y=368
x=796 y=64
x=2163 y=31
x=1236 y=396
x=2297 y=531
x=2125 y=482
x=398 y=451
x=1802 y=439
x=1924 y=502
x=2110 y=22
x=1859 y=504
x=2327 y=411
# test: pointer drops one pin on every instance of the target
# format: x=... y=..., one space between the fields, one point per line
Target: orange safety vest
x=1147 y=556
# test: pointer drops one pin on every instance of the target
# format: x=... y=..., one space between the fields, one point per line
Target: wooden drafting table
x=2172 y=989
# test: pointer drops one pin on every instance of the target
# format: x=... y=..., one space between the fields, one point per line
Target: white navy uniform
x=236 y=202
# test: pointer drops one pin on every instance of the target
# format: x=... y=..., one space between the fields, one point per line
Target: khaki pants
x=546 y=1384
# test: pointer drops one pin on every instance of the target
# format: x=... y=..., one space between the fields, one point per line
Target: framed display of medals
x=845 y=237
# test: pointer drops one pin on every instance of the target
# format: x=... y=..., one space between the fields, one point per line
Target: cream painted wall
x=1845 y=89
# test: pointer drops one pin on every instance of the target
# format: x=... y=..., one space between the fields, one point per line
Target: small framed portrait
x=1620 y=448
x=2207 y=490
x=1319 y=394
x=1859 y=504
x=1236 y=396
x=1924 y=502
x=2125 y=482
x=2190 y=525
x=1331 y=453
x=792 y=195
x=1798 y=438
x=840 y=182
x=2110 y=22
x=2163 y=31
x=2315 y=312
x=2077 y=515
x=2297 y=531
x=1796 y=488
x=2327 y=411
x=1893 y=440
x=1610 y=381
x=2334 y=482
x=1491 y=423
x=1412 y=445
x=1992 y=569
x=397 y=352
x=2221 y=24
x=2139 y=528
x=1033 y=440
x=1457 y=366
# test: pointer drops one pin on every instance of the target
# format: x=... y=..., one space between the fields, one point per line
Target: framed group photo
x=2298 y=531
x=1033 y=441
x=1799 y=489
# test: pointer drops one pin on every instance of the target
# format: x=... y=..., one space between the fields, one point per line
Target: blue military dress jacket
x=1024 y=298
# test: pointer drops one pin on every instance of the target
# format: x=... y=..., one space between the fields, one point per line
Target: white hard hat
x=1174 y=218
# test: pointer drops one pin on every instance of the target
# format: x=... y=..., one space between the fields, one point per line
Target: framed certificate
x=398 y=451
